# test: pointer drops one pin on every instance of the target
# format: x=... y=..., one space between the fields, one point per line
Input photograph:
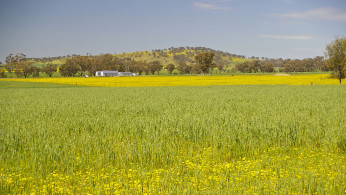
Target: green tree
x=25 y=67
x=49 y=69
x=83 y=62
x=220 y=64
x=205 y=61
x=138 y=67
x=244 y=67
x=255 y=66
x=184 y=68
x=195 y=69
x=105 y=62
x=155 y=66
x=69 y=68
x=308 y=64
x=170 y=68
x=320 y=64
x=128 y=64
x=293 y=66
x=36 y=71
x=12 y=62
x=146 y=68
x=20 y=63
x=2 y=73
x=336 y=58
x=267 y=66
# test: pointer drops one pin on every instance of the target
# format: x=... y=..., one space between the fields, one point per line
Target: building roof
x=108 y=71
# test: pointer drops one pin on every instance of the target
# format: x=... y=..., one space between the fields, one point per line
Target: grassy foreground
x=150 y=81
x=203 y=139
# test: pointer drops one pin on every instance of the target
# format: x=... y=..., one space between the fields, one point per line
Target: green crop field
x=64 y=139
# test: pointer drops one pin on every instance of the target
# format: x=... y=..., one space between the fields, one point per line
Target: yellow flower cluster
x=273 y=171
x=150 y=81
x=240 y=60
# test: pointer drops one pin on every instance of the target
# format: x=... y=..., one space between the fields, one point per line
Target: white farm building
x=125 y=74
x=106 y=73
x=110 y=73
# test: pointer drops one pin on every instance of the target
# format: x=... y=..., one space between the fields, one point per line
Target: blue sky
x=269 y=28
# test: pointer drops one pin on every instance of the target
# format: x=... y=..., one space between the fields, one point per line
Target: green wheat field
x=65 y=139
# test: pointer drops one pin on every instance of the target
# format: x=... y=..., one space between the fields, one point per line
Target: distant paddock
x=151 y=81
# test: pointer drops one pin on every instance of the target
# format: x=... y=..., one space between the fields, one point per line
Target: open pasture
x=204 y=139
x=150 y=81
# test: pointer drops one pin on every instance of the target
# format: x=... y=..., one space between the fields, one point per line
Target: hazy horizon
x=270 y=28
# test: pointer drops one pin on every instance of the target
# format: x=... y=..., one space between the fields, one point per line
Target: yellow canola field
x=310 y=171
x=151 y=81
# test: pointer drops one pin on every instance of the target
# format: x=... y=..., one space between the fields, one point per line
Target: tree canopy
x=205 y=61
x=189 y=60
x=336 y=57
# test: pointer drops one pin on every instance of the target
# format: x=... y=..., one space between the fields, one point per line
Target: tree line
x=201 y=61
x=88 y=65
x=22 y=66
x=287 y=65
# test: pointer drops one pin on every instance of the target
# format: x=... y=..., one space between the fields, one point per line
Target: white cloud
x=210 y=6
x=290 y=37
x=332 y=14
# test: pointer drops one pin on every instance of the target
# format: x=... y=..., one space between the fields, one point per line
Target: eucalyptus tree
x=170 y=68
x=336 y=57
x=204 y=61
